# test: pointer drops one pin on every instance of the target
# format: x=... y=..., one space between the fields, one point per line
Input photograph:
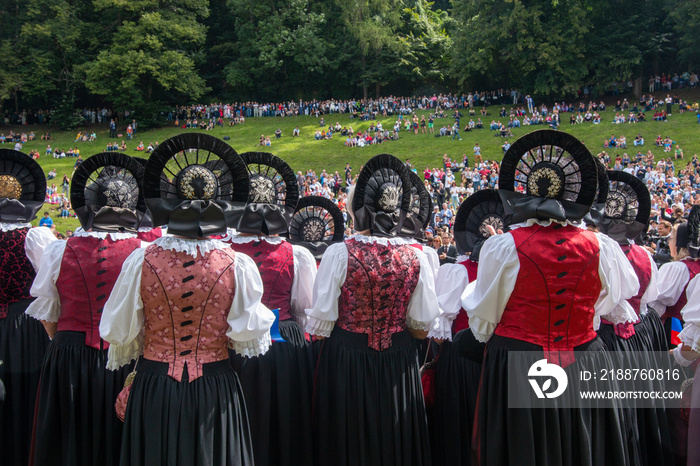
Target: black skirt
x=203 y=422
x=277 y=391
x=541 y=436
x=656 y=331
x=451 y=421
x=76 y=423
x=23 y=342
x=648 y=438
x=368 y=405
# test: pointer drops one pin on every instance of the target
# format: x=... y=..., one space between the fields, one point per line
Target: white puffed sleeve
x=452 y=280
x=47 y=305
x=303 y=283
x=34 y=244
x=329 y=280
x=486 y=298
x=673 y=277
x=433 y=259
x=619 y=283
x=122 y=321
x=690 y=335
x=423 y=306
x=249 y=319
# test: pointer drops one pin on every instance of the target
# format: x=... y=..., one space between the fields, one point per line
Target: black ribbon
x=596 y=215
x=378 y=223
x=14 y=210
x=620 y=231
x=412 y=227
x=266 y=219
x=523 y=207
x=206 y=217
x=109 y=219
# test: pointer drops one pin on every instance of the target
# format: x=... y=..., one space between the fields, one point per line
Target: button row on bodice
x=186 y=323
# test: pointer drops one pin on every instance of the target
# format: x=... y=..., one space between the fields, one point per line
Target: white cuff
x=481 y=329
x=321 y=328
x=45 y=308
x=622 y=314
x=418 y=325
x=301 y=319
x=441 y=329
x=678 y=356
x=251 y=348
x=121 y=355
x=690 y=336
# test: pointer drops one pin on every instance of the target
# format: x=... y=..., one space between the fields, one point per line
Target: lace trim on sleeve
x=45 y=308
x=441 y=329
x=252 y=348
x=121 y=355
x=417 y=325
x=690 y=336
x=321 y=328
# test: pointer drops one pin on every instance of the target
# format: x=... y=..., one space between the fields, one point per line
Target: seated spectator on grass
x=638 y=140
x=278 y=133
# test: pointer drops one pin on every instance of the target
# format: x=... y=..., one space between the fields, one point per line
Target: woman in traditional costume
x=458 y=368
x=277 y=385
x=178 y=305
x=75 y=419
x=627 y=211
x=23 y=340
x=540 y=290
x=374 y=294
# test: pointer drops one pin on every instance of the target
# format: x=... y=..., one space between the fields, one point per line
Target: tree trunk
x=637 y=87
x=365 y=88
x=379 y=90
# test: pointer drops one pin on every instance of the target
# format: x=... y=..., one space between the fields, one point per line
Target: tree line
x=144 y=55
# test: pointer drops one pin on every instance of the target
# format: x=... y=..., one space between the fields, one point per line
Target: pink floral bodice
x=379 y=283
x=186 y=304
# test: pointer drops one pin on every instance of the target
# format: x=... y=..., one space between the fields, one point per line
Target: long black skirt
x=368 y=405
x=648 y=436
x=656 y=331
x=23 y=342
x=76 y=423
x=541 y=436
x=277 y=391
x=203 y=422
x=452 y=420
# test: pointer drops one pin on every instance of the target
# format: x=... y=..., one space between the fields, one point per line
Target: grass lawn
x=423 y=150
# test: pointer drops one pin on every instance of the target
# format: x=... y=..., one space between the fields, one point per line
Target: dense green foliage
x=144 y=55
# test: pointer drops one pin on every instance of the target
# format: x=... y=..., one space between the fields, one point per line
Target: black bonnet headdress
x=556 y=172
x=106 y=193
x=272 y=197
x=22 y=187
x=382 y=196
x=480 y=210
x=196 y=184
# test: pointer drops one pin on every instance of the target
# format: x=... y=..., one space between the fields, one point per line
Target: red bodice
x=558 y=284
x=461 y=322
x=276 y=266
x=641 y=263
x=186 y=304
x=675 y=310
x=89 y=268
x=16 y=272
x=150 y=235
x=379 y=283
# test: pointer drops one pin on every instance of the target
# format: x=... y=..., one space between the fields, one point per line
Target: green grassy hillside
x=423 y=150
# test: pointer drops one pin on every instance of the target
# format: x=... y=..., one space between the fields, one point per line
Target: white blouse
x=690 y=335
x=122 y=322
x=304 y=274
x=673 y=277
x=422 y=308
x=47 y=305
x=431 y=255
x=451 y=281
x=485 y=299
